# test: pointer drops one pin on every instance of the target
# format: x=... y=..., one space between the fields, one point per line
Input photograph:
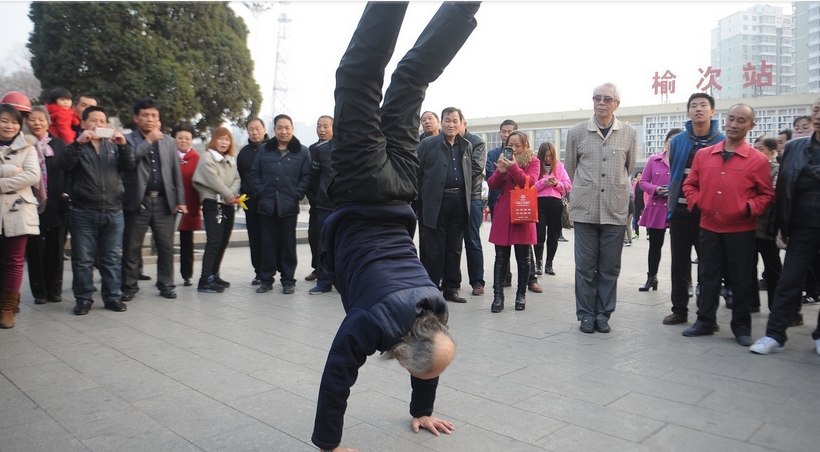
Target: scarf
x=41 y=189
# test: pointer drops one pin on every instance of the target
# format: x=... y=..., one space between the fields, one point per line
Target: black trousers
x=254 y=225
x=684 y=233
x=732 y=252
x=801 y=252
x=313 y=237
x=768 y=250
x=548 y=228
x=154 y=212
x=44 y=253
x=218 y=235
x=444 y=243
x=374 y=157
x=656 y=239
x=279 y=248
x=186 y=254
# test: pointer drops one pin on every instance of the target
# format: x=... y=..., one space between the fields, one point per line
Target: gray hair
x=416 y=350
x=42 y=110
x=609 y=85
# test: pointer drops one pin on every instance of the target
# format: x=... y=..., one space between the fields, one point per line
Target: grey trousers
x=598 y=250
x=161 y=220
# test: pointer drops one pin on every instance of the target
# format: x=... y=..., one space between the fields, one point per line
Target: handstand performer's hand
x=433 y=424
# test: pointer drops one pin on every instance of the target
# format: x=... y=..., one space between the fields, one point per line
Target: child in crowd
x=63 y=117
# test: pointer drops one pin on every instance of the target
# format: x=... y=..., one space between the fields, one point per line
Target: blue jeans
x=472 y=244
x=94 y=232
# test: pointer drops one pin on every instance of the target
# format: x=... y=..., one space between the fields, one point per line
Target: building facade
x=806 y=32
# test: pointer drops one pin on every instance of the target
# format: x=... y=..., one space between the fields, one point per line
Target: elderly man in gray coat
x=600 y=156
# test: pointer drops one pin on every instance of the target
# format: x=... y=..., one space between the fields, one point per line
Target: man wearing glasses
x=600 y=156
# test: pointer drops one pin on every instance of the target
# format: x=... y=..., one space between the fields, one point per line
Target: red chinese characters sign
x=710 y=77
x=754 y=78
x=664 y=84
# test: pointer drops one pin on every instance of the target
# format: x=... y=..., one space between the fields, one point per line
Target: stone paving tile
x=154 y=439
x=602 y=419
x=97 y=412
x=674 y=438
x=254 y=438
x=472 y=438
x=578 y=439
x=193 y=415
x=162 y=375
x=734 y=426
x=786 y=439
x=41 y=436
x=497 y=417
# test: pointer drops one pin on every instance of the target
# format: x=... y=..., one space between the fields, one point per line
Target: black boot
x=523 y=280
x=538 y=268
x=502 y=259
x=651 y=281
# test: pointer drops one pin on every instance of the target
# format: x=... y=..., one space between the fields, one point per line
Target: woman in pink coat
x=655 y=183
x=509 y=174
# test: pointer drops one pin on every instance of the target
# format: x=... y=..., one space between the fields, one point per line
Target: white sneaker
x=766 y=345
x=817 y=345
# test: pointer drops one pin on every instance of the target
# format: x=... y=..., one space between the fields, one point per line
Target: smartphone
x=101 y=132
x=508 y=153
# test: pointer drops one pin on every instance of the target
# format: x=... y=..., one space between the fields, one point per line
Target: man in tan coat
x=600 y=156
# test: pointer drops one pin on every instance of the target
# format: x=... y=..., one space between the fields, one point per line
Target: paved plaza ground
x=240 y=372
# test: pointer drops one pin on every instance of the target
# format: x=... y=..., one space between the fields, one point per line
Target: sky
x=524 y=57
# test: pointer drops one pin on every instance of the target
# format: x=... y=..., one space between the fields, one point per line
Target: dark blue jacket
x=368 y=251
x=796 y=156
x=679 y=149
x=321 y=165
x=279 y=183
x=244 y=164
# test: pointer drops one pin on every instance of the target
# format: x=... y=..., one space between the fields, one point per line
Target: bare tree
x=17 y=75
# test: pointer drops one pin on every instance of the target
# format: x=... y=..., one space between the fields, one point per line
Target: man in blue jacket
x=391 y=304
x=684 y=226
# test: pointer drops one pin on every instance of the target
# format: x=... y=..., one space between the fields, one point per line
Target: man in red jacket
x=731 y=184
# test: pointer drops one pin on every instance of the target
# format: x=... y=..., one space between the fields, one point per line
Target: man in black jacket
x=244 y=163
x=96 y=222
x=320 y=156
x=279 y=179
x=390 y=303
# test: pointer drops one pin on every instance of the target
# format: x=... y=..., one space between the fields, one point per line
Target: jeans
x=472 y=244
x=93 y=232
x=217 y=236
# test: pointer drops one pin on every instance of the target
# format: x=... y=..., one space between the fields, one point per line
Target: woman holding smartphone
x=655 y=181
x=552 y=185
x=515 y=165
x=217 y=181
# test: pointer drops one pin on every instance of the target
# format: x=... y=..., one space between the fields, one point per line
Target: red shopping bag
x=524 y=204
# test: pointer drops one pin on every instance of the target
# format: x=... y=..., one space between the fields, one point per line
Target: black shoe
x=187 y=282
x=144 y=277
x=549 y=270
x=264 y=286
x=761 y=284
x=256 y=281
x=209 y=287
x=675 y=319
x=651 y=283
x=127 y=296
x=520 y=301
x=168 y=293
x=562 y=239
x=40 y=301
x=454 y=297
x=288 y=289
x=221 y=281
x=55 y=299
x=82 y=307
x=602 y=326
x=698 y=329
x=116 y=306
x=754 y=309
x=744 y=340
x=588 y=324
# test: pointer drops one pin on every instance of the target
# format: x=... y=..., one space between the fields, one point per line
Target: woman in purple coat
x=655 y=182
x=509 y=174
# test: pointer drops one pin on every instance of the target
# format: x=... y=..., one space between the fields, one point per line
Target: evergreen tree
x=191 y=57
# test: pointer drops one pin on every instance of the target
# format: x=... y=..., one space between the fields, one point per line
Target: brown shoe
x=478 y=289
x=675 y=319
x=534 y=287
x=311 y=277
x=454 y=297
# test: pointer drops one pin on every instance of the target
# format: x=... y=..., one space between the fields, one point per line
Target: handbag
x=524 y=204
x=566 y=223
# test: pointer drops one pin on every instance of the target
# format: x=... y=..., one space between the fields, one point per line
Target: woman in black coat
x=45 y=252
